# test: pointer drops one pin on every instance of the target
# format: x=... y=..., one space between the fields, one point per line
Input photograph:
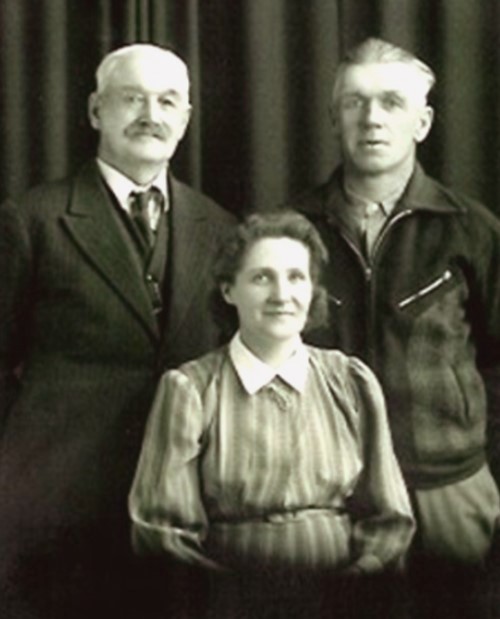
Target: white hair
x=156 y=54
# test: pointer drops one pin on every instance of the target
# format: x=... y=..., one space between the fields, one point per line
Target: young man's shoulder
x=474 y=214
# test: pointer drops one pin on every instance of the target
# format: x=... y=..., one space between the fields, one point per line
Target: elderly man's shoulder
x=54 y=195
x=206 y=206
x=41 y=203
x=45 y=191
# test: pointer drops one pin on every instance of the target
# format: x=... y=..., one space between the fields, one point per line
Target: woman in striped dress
x=269 y=462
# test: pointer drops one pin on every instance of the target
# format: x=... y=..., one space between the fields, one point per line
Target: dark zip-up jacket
x=425 y=315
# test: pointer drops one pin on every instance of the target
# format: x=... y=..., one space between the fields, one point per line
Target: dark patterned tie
x=140 y=205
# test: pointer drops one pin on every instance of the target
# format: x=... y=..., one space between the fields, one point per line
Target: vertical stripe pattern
x=230 y=479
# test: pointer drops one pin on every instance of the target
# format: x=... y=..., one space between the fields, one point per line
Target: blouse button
x=280 y=398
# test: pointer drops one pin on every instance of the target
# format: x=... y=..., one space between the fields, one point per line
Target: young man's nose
x=372 y=112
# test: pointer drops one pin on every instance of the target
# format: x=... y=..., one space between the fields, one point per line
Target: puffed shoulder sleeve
x=165 y=502
x=383 y=521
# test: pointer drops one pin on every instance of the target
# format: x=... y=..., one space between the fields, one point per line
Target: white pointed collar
x=255 y=374
x=122 y=186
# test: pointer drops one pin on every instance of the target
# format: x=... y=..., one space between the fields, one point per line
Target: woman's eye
x=297 y=277
x=260 y=278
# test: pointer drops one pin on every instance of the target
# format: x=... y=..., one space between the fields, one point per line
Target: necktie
x=142 y=205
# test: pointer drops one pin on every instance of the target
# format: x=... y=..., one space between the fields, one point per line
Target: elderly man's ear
x=93 y=110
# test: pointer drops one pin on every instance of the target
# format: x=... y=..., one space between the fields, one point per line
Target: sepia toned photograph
x=250 y=309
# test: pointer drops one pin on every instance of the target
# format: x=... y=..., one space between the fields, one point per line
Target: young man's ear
x=425 y=124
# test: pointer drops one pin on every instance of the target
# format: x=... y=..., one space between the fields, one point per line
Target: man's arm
x=485 y=323
x=15 y=251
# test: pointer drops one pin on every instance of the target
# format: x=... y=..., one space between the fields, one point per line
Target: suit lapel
x=191 y=240
x=92 y=224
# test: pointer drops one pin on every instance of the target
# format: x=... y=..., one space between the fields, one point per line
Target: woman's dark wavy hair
x=232 y=252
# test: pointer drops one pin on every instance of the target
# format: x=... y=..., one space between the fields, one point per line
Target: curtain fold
x=261 y=78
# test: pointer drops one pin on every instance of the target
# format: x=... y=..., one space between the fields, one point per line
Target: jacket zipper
x=371 y=292
x=368 y=270
x=335 y=300
x=446 y=276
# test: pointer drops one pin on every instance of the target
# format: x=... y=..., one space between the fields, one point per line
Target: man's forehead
x=159 y=72
x=135 y=88
x=384 y=77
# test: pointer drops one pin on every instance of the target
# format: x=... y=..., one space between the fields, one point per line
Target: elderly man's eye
x=133 y=98
x=167 y=102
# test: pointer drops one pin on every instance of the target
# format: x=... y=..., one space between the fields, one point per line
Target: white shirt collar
x=122 y=186
x=255 y=374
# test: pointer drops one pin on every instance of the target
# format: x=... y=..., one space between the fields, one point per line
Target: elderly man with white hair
x=104 y=286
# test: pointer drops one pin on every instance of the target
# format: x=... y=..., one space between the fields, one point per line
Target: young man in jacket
x=414 y=284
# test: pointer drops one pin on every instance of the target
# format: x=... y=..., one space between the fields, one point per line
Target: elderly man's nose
x=151 y=109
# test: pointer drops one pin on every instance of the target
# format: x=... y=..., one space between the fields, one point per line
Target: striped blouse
x=292 y=473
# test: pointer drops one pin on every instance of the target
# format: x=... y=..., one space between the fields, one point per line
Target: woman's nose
x=281 y=289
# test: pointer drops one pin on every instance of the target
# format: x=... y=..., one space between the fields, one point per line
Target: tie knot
x=144 y=201
x=145 y=210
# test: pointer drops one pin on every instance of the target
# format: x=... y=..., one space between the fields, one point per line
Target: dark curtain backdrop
x=261 y=73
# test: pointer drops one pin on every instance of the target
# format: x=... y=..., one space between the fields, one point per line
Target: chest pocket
x=435 y=319
x=428 y=290
x=446 y=292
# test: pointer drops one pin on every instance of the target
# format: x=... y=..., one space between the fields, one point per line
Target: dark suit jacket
x=80 y=349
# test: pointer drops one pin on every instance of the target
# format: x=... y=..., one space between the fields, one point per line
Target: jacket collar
x=91 y=221
x=193 y=238
x=422 y=194
x=425 y=193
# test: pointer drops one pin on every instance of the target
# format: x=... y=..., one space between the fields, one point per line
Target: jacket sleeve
x=15 y=301
x=165 y=502
x=484 y=316
x=382 y=514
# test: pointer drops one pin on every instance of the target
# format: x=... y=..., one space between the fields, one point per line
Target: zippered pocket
x=335 y=300
x=423 y=292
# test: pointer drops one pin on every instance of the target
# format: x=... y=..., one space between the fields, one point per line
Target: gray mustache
x=144 y=128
